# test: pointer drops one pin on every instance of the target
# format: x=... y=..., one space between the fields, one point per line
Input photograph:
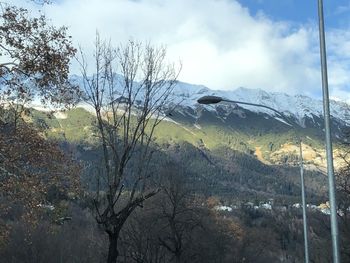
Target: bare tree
x=128 y=109
x=176 y=227
x=179 y=214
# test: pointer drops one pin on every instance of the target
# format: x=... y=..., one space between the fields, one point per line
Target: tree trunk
x=113 y=249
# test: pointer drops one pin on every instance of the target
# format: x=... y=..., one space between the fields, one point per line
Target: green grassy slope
x=209 y=131
x=76 y=125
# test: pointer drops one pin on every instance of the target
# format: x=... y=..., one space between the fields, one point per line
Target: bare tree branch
x=128 y=109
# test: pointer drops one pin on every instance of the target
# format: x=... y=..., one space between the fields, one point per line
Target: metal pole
x=329 y=150
x=306 y=239
x=301 y=164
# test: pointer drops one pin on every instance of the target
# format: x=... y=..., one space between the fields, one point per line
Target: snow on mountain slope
x=298 y=106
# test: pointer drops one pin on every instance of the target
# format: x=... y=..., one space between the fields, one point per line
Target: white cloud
x=339 y=63
x=219 y=42
x=342 y=9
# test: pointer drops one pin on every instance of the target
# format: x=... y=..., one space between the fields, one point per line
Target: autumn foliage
x=33 y=168
x=34 y=64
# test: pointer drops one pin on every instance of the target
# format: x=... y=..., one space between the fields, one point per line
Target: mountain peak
x=298 y=106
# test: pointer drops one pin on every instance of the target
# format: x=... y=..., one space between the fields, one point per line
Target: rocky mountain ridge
x=302 y=109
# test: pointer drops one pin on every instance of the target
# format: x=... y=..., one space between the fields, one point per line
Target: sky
x=224 y=44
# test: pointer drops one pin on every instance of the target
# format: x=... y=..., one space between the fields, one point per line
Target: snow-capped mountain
x=297 y=106
x=254 y=131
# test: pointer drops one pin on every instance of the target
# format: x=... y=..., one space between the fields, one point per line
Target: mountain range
x=250 y=149
x=303 y=110
x=235 y=125
x=299 y=107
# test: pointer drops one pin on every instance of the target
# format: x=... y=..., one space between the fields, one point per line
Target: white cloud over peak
x=220 y=44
